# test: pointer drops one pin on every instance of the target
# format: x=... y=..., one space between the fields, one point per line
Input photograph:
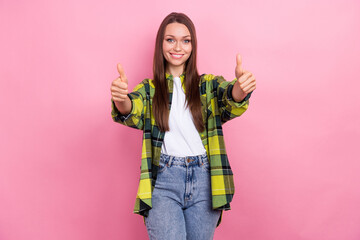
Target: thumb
x=121 y=73
x=238 y=69
x=238 y=59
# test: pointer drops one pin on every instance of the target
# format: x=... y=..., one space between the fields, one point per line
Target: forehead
x=177 y=30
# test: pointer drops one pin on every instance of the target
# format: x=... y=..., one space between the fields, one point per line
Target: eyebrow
x=174 y=36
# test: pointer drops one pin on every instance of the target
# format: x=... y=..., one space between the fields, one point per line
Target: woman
x=186 y=181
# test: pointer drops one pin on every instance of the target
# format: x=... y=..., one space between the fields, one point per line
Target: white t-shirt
x=182 y=139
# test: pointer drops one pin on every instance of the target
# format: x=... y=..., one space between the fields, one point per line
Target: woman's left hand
x=246 y=82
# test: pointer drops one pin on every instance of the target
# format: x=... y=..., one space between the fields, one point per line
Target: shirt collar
x=171 y=77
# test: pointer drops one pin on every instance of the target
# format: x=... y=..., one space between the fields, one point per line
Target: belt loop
x=204 y=158
x=161 y=159
x=170 y=161
x=200 y=160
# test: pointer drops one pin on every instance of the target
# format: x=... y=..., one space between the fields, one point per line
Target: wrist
x=124 y=107
x=237 y=93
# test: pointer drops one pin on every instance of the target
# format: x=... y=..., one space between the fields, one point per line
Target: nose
x=177 y=47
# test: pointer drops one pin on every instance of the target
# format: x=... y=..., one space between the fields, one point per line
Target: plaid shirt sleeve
x=135 y=118
x=229 y=109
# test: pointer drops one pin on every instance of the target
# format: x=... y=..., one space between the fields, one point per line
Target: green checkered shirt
x=218 y=107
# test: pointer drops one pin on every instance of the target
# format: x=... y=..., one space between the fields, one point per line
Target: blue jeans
x=181 y=200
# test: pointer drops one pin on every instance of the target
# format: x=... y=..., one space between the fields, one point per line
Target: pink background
x=67 y=171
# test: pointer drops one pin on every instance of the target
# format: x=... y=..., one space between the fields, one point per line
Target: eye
x=170 y=40
x=187 y=41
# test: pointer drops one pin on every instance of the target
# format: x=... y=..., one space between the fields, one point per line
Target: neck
x=176 y=71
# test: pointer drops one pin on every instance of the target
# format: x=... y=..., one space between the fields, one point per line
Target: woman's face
x=176 y=45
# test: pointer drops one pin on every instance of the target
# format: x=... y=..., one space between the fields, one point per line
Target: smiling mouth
x=177 y=56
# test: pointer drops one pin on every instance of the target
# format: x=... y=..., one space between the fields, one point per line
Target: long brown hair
x=161 y=96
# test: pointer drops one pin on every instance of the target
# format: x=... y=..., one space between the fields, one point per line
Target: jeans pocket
x=162 y=167
x=205 y=166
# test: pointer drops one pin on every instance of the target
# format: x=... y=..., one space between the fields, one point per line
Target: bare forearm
x=237 y=94
x=124 y=107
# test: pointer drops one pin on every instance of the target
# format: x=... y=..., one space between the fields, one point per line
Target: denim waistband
x=184 y=161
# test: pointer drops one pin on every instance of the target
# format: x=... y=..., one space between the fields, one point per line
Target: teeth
x=176 y=55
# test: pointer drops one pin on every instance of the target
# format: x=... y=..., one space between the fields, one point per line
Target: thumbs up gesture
x=246 y=82
x=119 y=87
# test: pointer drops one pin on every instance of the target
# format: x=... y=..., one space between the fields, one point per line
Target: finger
x=120 y=84
x=249 y=88
x=245 y=76
x=248 y=80
x=117 y=89
x=238 y=60
x=119 y=92
x=238 y=69
x=117 y=80
x=121 y=72
x=123 y=85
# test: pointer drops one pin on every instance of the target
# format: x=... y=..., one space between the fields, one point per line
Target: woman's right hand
x=119 y=87
x=119 y=91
